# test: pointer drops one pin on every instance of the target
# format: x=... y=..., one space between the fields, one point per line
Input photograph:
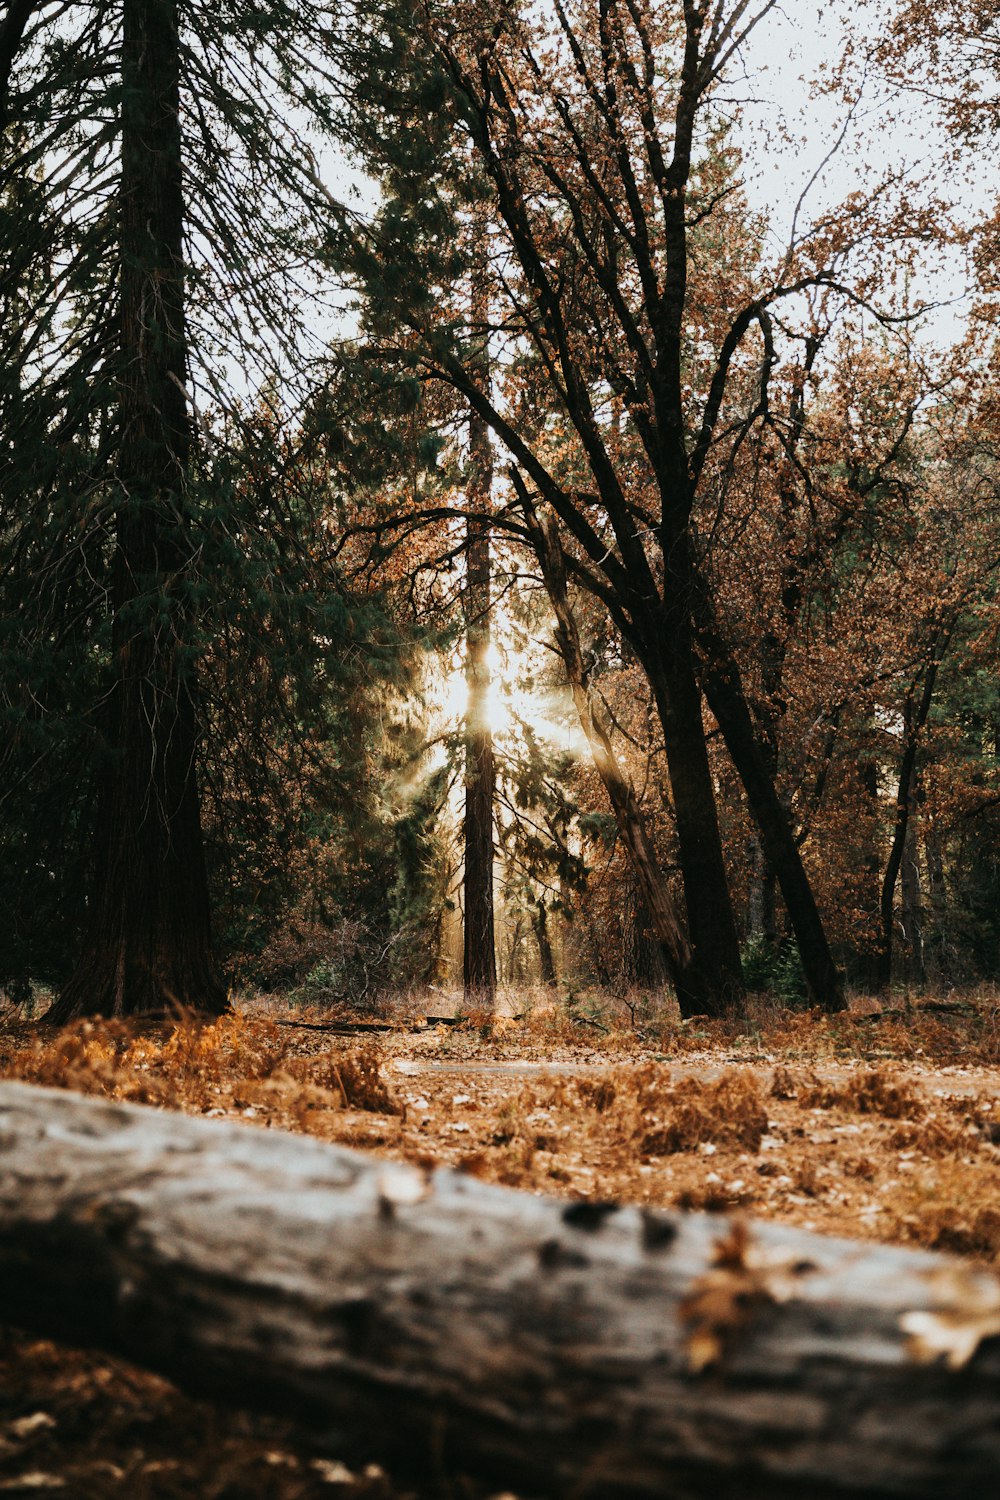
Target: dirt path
x=937 y=1081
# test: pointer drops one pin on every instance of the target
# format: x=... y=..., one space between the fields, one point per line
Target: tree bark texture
x=643 y=964
x=763 y=889
x=432 y=1320
x=148 y=943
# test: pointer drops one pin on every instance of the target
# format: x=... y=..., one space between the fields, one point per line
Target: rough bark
x=763 y=888
x=644 y=964
x=148 y=947
x=439 y=1321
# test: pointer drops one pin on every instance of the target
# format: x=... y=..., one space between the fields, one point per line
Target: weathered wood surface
x=474 y=1327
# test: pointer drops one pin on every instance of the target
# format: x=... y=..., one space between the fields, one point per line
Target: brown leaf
x=969 y=1313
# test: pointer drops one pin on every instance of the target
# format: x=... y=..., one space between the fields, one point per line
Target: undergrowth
x=235 y=1063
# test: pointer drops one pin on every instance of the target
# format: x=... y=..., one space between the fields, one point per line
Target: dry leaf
x=970 y=1313
x=400 y=1186
x=25 y=1427
x=744 y=1275
x=332 y=1471
x=33 y=1481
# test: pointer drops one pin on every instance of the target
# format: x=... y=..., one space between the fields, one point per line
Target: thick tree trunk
x=646 y=968
x=479 y=972
x=678 y=956
x=728 y=703
x=148 y=945
x=434 y=1321
x=711 y=924
x=480 y=965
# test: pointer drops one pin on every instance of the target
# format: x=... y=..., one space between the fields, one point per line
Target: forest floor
x=878 y=1124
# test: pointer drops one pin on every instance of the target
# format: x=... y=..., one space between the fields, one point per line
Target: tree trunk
x=673 y=941
x=755 y=765
x=913 y=907
x=763 y=905
x=435 y=1322
x=711 y=924
x=870 y=861
x=728 y=703
x=647 y=969
x=12 y=29
x=937 y=894
x=914 y=719
x=148 y=946
x=480 y=973
x=546 y=961
x=480 y=965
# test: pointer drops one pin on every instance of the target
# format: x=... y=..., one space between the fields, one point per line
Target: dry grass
x=850 y=1147
x=961 y=1030
x=657 y=1117
x=873 y=1091
x=248 y=1065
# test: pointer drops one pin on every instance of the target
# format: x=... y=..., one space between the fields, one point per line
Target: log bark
x=436 y=1319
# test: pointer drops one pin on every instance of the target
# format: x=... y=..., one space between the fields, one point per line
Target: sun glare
x=508 y=702
x=501 y=700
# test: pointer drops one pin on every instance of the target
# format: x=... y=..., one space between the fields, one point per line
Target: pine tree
x=153 y=168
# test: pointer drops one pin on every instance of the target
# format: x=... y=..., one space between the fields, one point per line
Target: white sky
x=786 y=131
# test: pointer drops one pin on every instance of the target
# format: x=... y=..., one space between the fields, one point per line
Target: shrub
x=775 y=969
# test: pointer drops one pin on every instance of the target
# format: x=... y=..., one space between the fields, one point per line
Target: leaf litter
x=801 y=1121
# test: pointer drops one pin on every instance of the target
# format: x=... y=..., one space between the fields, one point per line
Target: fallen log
x=430 y=1319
